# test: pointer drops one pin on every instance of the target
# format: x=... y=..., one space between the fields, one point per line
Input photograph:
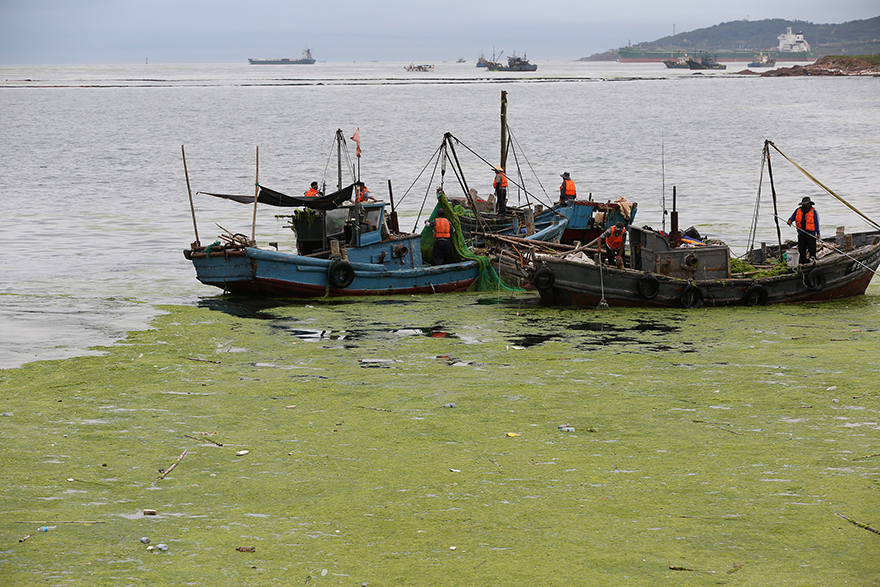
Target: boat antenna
x=256 y=196
x=663 y=174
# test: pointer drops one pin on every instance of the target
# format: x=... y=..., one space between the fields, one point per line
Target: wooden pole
x=256 y=195
x=504 y=130
x=189 y=190
x=773 y=191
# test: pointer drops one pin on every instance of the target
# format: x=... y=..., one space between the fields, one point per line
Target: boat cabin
x=652 y=251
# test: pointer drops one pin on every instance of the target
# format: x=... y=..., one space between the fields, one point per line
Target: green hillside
x=857 y=37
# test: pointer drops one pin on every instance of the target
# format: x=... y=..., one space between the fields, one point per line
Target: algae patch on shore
x=445 y=440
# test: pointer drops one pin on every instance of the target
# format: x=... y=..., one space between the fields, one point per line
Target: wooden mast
x=504 y=130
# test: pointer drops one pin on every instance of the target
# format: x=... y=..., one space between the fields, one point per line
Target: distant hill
x=857 y=37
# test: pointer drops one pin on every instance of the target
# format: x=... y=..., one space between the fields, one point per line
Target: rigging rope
x=824 y=187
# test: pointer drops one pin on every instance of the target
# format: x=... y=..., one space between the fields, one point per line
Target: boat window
x=371 y=220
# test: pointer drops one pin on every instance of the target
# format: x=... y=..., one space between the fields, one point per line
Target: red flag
x=356 y=137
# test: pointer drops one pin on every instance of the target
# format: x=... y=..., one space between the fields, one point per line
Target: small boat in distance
x=763 y=60
x=460 y=60
x=481 y=62
x=422 y=67
x=307 y=59
x=677 y=62
x=514 y=63
x=705 y=62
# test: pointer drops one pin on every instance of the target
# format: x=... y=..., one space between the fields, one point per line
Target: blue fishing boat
x=343 y=249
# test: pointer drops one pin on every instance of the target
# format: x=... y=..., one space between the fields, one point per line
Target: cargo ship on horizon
x=307 y=59
x=792 y=47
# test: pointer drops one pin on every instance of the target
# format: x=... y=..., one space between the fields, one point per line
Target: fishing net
x=487 y=279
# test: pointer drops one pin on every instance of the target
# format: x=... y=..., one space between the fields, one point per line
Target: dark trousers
x=501 y=198
x=612 y=254
x=442 y=251
x=806 y=244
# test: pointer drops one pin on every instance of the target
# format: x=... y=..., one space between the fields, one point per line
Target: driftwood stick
x=859 y=524
x=865 y=458
x=718 y=426
x=203 y=439
x=174 y=464
x=202 y=360
x=46 y=523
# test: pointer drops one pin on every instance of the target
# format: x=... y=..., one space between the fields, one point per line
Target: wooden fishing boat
x=671 y=270
x=344 y=250
x=667 y=276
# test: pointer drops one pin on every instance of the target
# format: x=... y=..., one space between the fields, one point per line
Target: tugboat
x=514 y=63
x=705 y=62
x=680 y=62
x=763 y=60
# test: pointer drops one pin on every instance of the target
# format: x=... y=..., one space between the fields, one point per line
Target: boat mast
x=504 y=130
x=773 y=191
x=339 y=140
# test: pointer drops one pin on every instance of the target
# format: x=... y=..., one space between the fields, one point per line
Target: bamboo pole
x=189 y=190
x=256 y=195
x=174 y=464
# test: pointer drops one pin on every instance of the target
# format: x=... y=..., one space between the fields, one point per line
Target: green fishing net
x=488 y=279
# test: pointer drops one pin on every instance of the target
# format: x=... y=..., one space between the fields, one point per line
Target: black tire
x=756 y=295
x=340 y=274
x=543 y=279
x=649 y=286
x=692 y=297
x=816 y=280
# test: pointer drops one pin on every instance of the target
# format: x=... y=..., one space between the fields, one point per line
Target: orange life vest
x=567 y=188
x=500 y=180
x=811 y=219
x=442 y=228
x=312 y=193
x=363 y=194
x=615 y=239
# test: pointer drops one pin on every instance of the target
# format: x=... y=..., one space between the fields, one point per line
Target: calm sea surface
x=94 y=203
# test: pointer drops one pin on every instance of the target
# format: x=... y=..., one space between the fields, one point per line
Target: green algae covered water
x=451 y=440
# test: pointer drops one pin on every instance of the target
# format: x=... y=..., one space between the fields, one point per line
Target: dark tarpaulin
x=273 y=198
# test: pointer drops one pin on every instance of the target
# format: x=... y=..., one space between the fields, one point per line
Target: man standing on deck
x=442 y=235
x=567 y=191
x=613 y=239
x=313 y=191
x=806 y=221
x=500 y=185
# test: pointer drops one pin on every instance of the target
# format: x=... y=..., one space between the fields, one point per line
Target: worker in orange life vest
x=313 y=191
x=806 y=220
x=567 y=191
x=613 y=239
x=442 y=234
x=500 y=185
x=363 y=194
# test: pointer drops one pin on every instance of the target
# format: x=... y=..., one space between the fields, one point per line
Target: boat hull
x=253 y=271
x=831 y=278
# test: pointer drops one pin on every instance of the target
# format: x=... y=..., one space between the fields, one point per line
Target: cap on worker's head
x=566 y=175
x=441 y=212
x=806 y=201
x=620 y=225
x=498 y=168
x=315 y=184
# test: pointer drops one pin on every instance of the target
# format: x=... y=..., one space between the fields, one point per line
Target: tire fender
x=648 y=286
x=756 y=295
x=543 y=279
x=692 y=297
x=340 y=274
x=816 y=280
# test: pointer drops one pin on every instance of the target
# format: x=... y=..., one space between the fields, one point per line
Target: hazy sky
x=229 y=31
